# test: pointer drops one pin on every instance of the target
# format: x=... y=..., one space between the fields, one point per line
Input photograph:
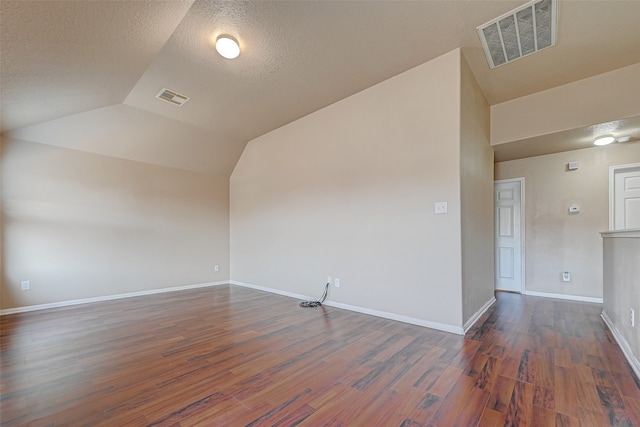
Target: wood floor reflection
x=231 y=356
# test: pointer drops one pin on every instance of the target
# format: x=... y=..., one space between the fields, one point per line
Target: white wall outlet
x=441 y=207
x=632 y=317
x=336 y=282
x=25 y=285
x=329 y=279
x=566 y=276
x=216 y=268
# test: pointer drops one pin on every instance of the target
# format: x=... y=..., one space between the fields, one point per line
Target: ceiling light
x=604 y=140
x=227 y=47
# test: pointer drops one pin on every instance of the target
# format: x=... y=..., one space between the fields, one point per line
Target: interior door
x=508 y=239
x=626 y=203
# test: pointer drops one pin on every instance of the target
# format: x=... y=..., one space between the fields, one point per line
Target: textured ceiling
x=62 y=59
x=65 y=57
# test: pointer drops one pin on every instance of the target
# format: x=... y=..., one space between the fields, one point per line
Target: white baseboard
x=363 y=310
x=623 y=344
x=273 y=291
x=473 y=319
x=562 y=296
x=106 y=298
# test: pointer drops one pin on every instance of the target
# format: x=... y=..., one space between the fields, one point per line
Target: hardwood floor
x=231 y=356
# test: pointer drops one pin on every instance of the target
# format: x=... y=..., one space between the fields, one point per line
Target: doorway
x=509 y=234
x=624 y=197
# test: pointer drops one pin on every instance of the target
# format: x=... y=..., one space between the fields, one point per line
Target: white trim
x=612 y=174
x=621 y=234
x=623 y=344
x=106 y=298
x=473 y=319
x=272 y=291
x=363 y=310
x=563 y=296
x=523 y=276
x=400 y=318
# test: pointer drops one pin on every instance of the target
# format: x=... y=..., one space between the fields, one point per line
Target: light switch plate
x=441 y=207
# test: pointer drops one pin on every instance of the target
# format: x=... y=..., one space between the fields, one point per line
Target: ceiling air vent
x=521 y=32
x=172 y=97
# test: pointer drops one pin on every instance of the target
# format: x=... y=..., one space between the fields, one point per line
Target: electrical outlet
x=216 y=268
x=25 y=285
x=329 y=279
x=566 y=276
x=336 y=283
x=632 y=317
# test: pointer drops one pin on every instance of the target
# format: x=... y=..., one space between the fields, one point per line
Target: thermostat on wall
x=573 y=166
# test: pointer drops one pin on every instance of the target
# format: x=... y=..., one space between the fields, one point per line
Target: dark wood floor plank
x=424 y=411
x=520 y=410
x=445 y=382
x=231 y=356
x=542 y=417
x=472 y=410
x=565 y=392
x=500 y=397
x=491 y=418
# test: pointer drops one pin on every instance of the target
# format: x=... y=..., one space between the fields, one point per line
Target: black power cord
x=317 y=302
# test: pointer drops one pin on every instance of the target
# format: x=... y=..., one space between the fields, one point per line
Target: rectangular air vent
x=172 y=97
x=521 y=32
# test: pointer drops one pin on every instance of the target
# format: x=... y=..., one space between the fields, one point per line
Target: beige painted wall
x=602 y=98
x=81 y=225
x=557 y=241
x=349 y=191
x=476 y=180
x=622 y=286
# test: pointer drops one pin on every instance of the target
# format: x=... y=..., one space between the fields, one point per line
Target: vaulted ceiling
x=83 y=74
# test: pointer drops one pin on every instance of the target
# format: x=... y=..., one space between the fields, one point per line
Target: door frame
x=520 y=180
x=612 y=199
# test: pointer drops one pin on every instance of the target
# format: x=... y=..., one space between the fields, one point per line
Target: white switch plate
x=216 y=268
x=25 y=285
x=441 y=207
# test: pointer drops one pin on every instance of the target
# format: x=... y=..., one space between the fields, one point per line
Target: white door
x=626 y=197
x=509 y=234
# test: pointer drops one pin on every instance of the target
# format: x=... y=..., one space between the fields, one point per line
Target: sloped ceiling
x=66 y=57
x=82 y=74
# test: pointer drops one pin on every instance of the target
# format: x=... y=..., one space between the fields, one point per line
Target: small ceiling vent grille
x=521 y=32
x=172 y=97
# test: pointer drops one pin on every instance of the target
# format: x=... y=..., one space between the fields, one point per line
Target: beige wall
x=602 y=98
x=476 y=179
x=557 y=241
x=81 y=225
x=622 y=288
x=349 y=191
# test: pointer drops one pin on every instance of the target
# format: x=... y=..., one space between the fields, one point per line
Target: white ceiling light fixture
x=227 y=47
x=521 y=32
x=604 y=140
